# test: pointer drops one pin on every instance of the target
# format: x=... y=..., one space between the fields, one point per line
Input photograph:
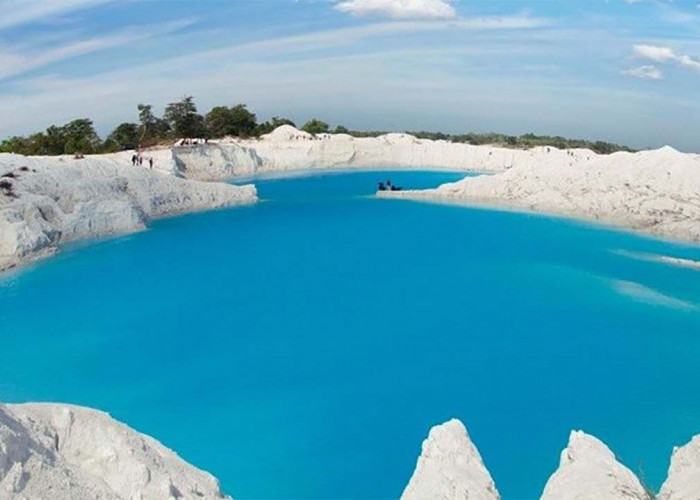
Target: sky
x=625 y=71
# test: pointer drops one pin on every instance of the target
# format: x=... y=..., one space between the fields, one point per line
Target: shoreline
x=46 y=202
x=421 y=196
x=311 y=172
x=653 y=193
x=54 y=200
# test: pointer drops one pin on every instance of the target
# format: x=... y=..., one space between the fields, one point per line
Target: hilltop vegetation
x=525 y=141
x=181 y=120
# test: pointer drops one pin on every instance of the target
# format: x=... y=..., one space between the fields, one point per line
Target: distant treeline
x=525 y=141
x=181 y=120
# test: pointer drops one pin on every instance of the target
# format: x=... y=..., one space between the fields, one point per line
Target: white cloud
x=668 y=13
x=647 y=1
x=654 y=53
x=400 y=9
x=23 y=59
x=17 y=62
x=645 y=73
x=665 y=55
x=19 y=12
x=348 y=35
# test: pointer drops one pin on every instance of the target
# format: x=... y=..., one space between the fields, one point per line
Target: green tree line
x=525 y=141
x=182 y=120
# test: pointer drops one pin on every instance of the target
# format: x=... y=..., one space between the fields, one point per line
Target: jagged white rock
x=61 y=452
x=45 y=201
x=683 y=482
x=588 y=470
x=450 y=468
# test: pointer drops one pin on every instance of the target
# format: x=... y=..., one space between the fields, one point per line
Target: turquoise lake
x=303 y=347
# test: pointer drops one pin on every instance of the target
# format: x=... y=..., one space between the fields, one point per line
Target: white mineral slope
x=588 y=470
x=450 y=468
x=656 y=192
x=46 y=201
x=288 y=149
x=61 y=452
x=683 y=482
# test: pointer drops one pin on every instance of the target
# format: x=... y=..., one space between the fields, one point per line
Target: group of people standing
x=137 y=159
x=388 y=186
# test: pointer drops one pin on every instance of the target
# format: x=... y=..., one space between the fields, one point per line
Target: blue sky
x=620 y=70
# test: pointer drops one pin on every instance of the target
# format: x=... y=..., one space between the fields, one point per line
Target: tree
x=218 y=121
x=125 y=136
x=316 y=127
x=78 y=136
x=272 y=124
x=81 y=137
x=244 y=122
x=222 y=121
x=55 y=140
x=183 y=118
x=151 y=127
x=20 y=145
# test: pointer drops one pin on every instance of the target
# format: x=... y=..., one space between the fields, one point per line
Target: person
x=140 y=160
x=388 y=183
x=133 y=159
x=150 y=163
x=381 y=186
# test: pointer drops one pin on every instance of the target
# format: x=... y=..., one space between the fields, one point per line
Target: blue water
x=303 y=347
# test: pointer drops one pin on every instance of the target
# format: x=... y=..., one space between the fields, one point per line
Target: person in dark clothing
x=388 y=183
x=150 y=163
x=133 y=160
x=381 y=186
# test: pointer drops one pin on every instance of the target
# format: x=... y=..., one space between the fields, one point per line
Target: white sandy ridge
x=656 y=192
x=47 y=201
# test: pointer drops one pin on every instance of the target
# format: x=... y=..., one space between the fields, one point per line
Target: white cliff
x=656 y=192
x=61 y=452
x=46 y=201
x=683 y=482
x=450 y=468
x=588 y=470
x=288 y=149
